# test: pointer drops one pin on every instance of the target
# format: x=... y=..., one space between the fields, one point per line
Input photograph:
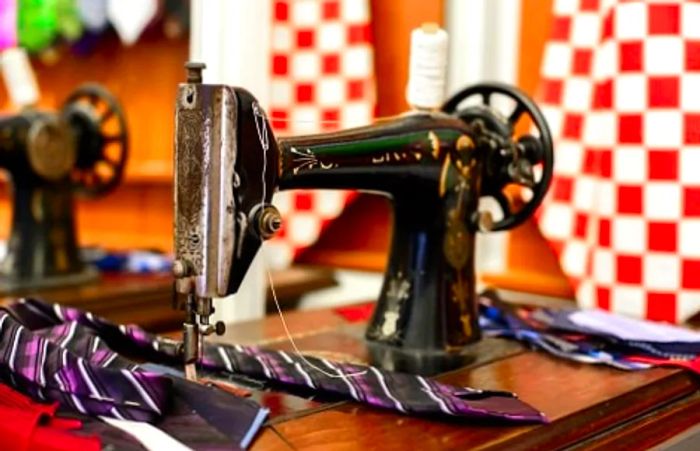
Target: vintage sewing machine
x=435 y=166
x=49 y=156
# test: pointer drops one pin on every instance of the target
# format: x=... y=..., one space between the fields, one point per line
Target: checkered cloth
x=621 y=91
x=322 y=80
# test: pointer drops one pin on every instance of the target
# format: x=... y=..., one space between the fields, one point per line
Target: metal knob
x=269 y=222
x=194 y=71
x=181 y=269
x=218 y=328
x=531 y=148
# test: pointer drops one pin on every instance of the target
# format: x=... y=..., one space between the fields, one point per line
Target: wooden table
x=589 y=407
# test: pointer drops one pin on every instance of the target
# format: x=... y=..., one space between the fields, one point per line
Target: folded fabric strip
x=218 y=410
x=403 y=392
x=555 y=332
x=692 y=365
x=397 y=391
x=494 y=325
x=181 y=423
x=26 y=425
x=663 y=340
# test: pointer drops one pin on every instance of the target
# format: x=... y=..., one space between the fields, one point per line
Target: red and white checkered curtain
x=621 y=91
x=322 y=79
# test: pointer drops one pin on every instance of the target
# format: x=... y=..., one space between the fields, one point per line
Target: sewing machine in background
x=435 y=164
x=50 y=156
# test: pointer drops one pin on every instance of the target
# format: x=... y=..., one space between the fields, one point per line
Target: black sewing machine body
x=434 y=166
x=50 y=156
x=429 y=166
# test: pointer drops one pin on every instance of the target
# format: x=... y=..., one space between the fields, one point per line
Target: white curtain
x=232 y=37
x=484 y=43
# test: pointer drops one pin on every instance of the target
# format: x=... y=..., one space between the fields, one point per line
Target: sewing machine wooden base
x=589 y=407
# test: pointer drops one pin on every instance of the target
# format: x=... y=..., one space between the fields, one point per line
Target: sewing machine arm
x=434 y=166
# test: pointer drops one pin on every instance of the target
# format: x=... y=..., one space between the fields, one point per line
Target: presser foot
x=195 y=328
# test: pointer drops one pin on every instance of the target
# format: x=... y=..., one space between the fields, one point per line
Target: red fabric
x=26 y=425
x=322 y=79
x=356 y=313
x=692 y=365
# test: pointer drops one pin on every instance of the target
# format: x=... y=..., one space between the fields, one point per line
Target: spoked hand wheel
x=526 y=160
x=102 y=139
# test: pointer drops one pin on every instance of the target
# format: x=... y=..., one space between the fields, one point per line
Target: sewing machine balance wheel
x=102 y=137
x=522 y=159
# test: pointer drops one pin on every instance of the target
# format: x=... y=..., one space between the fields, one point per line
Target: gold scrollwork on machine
x=398 y=291
x=434 y=144
x=464 y=145
x=388 y=157
x=303 y=159
x=306 y=159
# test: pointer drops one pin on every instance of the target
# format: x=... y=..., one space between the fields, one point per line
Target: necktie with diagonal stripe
x=43 y=367
x=386 y=389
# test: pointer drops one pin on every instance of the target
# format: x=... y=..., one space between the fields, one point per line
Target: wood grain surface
x=585 y=403
x=598 y=407
x=581 y=401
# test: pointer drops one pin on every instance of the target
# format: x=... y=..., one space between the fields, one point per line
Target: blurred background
x=353 y=55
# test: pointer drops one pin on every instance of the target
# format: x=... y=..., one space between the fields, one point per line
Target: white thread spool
x=19 y=77
x=427 y=67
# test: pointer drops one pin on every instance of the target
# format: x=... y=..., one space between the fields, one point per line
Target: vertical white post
x=232 y=37
x=503 y=31
x=484 y=37
x=19 y=77
x=466 y=27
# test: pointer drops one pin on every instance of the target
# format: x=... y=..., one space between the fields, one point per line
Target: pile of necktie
x=61 y=354
x=592 y=336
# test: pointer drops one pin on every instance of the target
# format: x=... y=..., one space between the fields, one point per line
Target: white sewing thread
x=297 y=352
x=427 y=67
x=261 y=128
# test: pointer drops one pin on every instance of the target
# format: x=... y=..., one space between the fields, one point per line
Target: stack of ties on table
x=586 y=336
x=68 y=382
x=77 y=389
x=592 y=336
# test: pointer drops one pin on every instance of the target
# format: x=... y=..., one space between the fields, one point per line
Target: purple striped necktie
x=386 y=389
x=41 y=365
